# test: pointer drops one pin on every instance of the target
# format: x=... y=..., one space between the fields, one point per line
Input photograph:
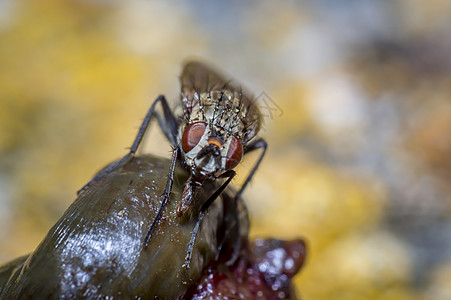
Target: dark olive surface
x=96 y=249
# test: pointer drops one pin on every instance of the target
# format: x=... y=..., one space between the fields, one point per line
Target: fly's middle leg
x=171 y=123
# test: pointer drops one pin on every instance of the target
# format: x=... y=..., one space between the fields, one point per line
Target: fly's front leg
x=236 y=230
x=171 y=123
x=230 y=174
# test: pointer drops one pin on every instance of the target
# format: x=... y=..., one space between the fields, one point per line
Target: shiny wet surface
x=96 y=248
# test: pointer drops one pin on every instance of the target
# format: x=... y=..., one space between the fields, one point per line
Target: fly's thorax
x=227 y=109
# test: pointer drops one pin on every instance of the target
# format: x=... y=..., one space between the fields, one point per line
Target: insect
x=216 y=125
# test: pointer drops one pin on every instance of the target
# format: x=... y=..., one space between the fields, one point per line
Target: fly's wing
x=197 y=77
x=199 y=80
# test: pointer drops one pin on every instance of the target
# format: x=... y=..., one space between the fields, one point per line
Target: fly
x=217 y=124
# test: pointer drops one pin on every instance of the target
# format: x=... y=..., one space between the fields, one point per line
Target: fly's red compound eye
x=192 y=134
x=234 y=154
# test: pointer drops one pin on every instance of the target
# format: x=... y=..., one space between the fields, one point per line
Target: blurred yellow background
x=357 y=98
